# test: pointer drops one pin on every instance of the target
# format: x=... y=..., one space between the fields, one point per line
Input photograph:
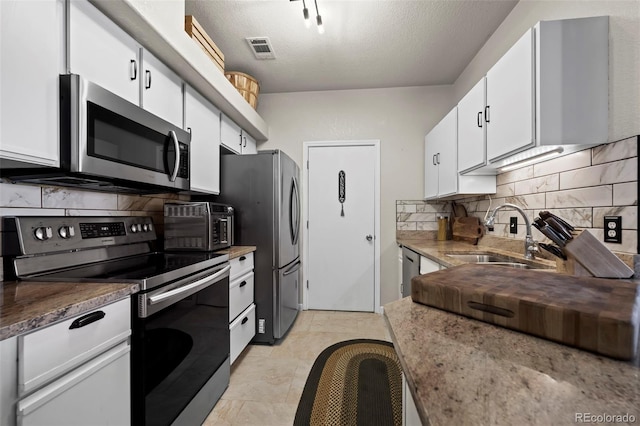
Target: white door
x=341 y=246
x=471 y=125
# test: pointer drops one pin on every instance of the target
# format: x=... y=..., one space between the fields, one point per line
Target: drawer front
x=241 y=265
x=242 y=331
x=240 y=295
x=68 y=344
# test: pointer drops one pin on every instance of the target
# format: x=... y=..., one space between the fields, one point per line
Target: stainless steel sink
x=480 y=257
x=497 y=259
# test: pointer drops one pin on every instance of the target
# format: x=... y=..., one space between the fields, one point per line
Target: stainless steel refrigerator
x=263 y=189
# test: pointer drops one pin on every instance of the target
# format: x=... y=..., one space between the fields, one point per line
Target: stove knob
x=145 y=227
x=66 y=232
x=139 y=227
x=43 y=233
x=134 y=228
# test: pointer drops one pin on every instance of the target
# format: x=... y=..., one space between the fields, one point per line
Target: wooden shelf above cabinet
x=176 y=49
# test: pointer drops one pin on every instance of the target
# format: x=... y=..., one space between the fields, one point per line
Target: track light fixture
x=305 y=13
x=319 y=19
x=307 y=20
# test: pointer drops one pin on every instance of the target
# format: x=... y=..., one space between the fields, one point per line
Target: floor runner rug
x=355 y=382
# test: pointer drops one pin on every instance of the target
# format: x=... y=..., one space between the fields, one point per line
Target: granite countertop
x=237 y=251
x=27 y=305
x=437 y=250
x=463 y=371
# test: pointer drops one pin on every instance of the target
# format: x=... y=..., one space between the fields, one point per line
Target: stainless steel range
x=180 y=338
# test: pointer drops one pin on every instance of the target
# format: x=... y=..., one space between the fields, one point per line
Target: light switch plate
x=513 y=225
x=613 y=229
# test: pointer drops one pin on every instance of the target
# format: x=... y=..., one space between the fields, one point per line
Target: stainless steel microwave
x=110 y=144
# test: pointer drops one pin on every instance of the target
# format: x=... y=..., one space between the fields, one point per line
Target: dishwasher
x=410 y=268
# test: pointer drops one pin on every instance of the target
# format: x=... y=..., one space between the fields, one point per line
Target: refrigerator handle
x=294 y=213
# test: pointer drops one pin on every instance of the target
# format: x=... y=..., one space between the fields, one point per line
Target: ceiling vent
x=261 y=47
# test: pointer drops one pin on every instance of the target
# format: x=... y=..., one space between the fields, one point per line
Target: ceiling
x=366 y=44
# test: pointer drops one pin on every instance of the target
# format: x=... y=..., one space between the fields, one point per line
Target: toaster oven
x=197 y=226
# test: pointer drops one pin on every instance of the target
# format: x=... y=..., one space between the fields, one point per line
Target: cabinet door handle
x=486 y=114
x=242 y=258
x=242 y=284
x=133 y=70
x=148 y=79
x=245 y=142
x=244 y=320
x=189 y=130
x=87 y=319
x=438 y=158
x=479 y=118
x=434 y=159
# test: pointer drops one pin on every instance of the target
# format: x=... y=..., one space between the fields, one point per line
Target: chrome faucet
x=530 y=245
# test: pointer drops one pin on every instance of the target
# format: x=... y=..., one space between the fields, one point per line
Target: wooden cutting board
x=599 y=315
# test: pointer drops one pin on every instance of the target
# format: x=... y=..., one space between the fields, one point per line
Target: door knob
x=369 y=237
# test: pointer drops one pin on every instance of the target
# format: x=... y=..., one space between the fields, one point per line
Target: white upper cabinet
x=471 y=129
x=510 y=105
x=202 y=120
x=549 y=92
x=104 y=54
x=235 y=139
x=101 y=52
x=161 y=89
x=249 y=145
x=31 y=60
x=230 y=135
x=441 y=173
x=441 y=163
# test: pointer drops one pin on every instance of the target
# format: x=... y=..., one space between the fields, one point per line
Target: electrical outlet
x=513 y=225
x=613 y=229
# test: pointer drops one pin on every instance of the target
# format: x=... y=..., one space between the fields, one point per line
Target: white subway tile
x=14 y=195
x=406 y=226
x=506 y=190
x=73 y=199
x=595 y=196
x=537 y=185
x=614 y=151
x=515 y=175
x=625 y=194
x=573 y=161
x=629 y=216
x=577 y=217
x=427 y=226
x=609 y=173
x=421 y=217
x=530 y=201
x=405 y=208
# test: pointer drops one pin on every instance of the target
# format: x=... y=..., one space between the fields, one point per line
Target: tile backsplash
x=33 y=200
x=582 y=188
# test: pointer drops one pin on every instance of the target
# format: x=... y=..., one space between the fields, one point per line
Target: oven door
x=179 y=349
x=113 y=138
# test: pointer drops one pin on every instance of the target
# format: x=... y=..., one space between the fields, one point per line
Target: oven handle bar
x=204 y=282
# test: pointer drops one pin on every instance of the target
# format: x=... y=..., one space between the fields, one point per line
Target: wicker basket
x=246 y=85
x=197 y=33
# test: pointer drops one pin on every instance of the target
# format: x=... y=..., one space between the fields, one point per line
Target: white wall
x=398 y=117
x=624 y=52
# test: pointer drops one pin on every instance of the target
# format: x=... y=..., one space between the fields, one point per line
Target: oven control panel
x=39 y=234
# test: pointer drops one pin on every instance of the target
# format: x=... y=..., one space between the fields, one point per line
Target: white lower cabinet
x=74 y=372
x=410 y=416
x=242 y=316
x=243 y=328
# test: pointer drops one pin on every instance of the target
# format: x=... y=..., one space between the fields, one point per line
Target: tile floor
x=267 y=381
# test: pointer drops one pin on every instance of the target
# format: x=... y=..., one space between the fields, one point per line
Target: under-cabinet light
x=531 y=160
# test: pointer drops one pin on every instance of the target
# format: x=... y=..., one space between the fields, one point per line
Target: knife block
x=587 y=256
